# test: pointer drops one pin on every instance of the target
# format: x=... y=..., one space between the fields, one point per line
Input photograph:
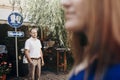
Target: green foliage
x=5 y=67
x=48 y=14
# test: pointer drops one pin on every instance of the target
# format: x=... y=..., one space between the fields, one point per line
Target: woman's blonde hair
x=103 y=39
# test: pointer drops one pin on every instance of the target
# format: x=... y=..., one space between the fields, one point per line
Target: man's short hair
x=33 y=28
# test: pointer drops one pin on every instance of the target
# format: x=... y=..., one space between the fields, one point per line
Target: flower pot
x=3 y=77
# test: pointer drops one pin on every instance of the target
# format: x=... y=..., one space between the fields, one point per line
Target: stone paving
x=47 y=75
x=53 y=76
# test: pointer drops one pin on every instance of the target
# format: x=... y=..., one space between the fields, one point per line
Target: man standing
x=34 y=55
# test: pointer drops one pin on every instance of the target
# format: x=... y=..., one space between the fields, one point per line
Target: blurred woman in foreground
x=95 y=29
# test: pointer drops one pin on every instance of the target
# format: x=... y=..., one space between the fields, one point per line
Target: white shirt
x=34 y=46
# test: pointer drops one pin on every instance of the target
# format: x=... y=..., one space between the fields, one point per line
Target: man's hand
x=43 y=63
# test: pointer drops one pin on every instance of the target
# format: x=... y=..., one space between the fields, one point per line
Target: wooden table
x=63 y=64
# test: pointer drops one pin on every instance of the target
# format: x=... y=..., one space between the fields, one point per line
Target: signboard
x=14 y=34
x=15 y=20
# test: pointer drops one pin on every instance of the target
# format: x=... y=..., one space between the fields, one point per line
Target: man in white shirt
x=34 y=55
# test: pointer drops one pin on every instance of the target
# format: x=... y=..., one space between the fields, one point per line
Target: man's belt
x=36 y=58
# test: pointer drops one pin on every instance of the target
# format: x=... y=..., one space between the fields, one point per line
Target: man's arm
x=42 y=57
x=27 y=55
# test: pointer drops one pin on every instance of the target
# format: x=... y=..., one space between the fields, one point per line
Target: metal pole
x=16 y=50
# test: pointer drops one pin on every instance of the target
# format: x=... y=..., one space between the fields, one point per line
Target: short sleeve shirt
x=34 y=46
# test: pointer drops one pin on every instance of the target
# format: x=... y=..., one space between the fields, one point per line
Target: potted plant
x=5 y=67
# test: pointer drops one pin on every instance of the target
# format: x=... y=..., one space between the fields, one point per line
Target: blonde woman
x=95 y=31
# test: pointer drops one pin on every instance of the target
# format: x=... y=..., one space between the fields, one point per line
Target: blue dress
x=112 y=73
